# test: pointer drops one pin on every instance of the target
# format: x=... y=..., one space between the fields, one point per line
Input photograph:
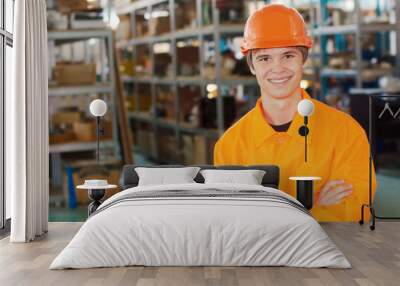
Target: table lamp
x=98 y=108
x=305 y=184
x=96 y=188
x=305 y=109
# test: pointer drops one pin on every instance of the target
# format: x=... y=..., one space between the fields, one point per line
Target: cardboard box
x=168 y=149
x=142 y=26
x=143 y=140
x=147 y=142
x=179 y=18
x=166 y=103
x=189 y=97
x=74 y=74
x=185 y=15
x=85 y=131
x=144 y=102
x=195 y=149
x=65 y=117
x=143 y=67
x=188 y=149
x=107 y=130
x=159 y=25
x=123 y=31
x=191 y=14
x=68 y=6
x=170 y=110
x=209 y=72
x=200 y=150
x=65 y=137
x=127 y=66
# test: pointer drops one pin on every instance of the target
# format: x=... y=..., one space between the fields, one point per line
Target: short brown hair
x=303 y=51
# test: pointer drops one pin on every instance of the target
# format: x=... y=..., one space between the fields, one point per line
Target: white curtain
x=27 y=124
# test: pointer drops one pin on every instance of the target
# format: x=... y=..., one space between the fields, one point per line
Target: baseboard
x=5 y=231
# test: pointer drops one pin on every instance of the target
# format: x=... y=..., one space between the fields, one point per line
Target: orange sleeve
x=218 y=154
x=351 y=163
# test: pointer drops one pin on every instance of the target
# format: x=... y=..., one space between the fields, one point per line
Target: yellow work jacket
x=338 y=148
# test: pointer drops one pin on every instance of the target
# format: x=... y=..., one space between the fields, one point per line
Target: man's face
x=278 y=70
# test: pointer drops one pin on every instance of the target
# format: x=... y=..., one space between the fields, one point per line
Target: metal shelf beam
x=352 y=28
x=233 y=80
x=78 y=34
x=79 y=146
x=131 y=7
x=181 y=34
x=78 y=90
x=327 y=72
x=171 y=124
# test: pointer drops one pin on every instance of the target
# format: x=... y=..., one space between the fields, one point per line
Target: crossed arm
x=349 y=181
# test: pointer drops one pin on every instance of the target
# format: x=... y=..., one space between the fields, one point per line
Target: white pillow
x=248 y=177
x=162 y=176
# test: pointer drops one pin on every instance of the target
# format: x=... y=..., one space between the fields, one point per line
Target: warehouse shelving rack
x=216 y=30
x=98 y=88
x=317 y=28
x=358 y=29
x=55 y=150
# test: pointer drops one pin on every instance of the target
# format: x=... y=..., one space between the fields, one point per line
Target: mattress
x=201 y=225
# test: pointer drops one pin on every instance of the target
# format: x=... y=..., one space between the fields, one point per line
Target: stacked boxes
x=70 y=126
x=74 y=73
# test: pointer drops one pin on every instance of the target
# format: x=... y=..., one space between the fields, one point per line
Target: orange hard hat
x=275 y=26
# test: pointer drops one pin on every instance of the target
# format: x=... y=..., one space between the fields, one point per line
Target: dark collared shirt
x=282 y=127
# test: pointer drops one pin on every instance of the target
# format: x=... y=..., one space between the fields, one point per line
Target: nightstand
x=305 y=190
x=96 y=191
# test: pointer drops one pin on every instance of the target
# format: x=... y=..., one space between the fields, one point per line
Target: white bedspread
x=200 y=231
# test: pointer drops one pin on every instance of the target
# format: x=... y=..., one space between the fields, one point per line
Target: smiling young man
x=276 y=46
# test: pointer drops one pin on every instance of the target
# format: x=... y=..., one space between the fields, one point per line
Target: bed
x=201 y=224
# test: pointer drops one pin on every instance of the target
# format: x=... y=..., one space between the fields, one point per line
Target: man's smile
x=280 y=80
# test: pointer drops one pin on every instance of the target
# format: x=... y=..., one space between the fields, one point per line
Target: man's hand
x=333 y=192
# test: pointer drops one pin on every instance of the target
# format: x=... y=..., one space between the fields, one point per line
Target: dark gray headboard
x=130 y=179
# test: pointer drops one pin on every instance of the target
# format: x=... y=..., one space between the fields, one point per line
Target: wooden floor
x=375 y=257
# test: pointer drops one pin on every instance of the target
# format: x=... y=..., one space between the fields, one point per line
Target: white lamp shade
x=305 y=107
x=98 y=107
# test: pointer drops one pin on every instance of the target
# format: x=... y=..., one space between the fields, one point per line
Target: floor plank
x=375 y=257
